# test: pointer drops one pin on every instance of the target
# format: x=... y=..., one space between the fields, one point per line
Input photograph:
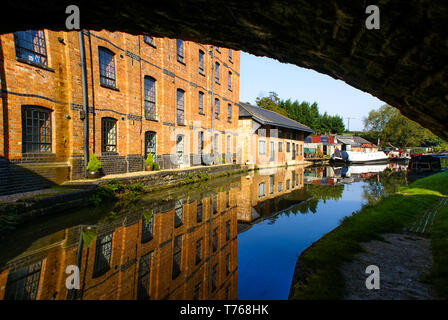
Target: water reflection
x=182 y=243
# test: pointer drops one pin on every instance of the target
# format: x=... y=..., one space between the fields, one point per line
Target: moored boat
x=359 y=157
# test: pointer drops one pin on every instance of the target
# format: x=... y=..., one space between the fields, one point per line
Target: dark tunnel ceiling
x=403 y=63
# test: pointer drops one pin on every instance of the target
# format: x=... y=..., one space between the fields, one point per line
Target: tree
x=271 y=103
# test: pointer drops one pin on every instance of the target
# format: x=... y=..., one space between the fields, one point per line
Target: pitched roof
x=353 y=140
x=270 y=118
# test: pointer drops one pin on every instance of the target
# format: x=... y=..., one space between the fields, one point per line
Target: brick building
x=175 y=99
x=269 y=139
x=186 y=250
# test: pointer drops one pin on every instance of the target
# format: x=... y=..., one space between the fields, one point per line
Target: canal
x=232 y=238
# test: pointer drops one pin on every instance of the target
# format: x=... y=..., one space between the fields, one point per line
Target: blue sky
x=260 y=75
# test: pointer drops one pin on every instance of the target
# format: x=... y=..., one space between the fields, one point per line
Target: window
x=198 y=251
x=177 y=256
x=201 y=102
x=301 y=150
x=178 y=214
x=261 y=189
x=199 y=211
x=180 y=50
x=30 y=46
x=217 y=103
x=261 y=147
x=229 y=84
x=293 y=178
x=227 y=264
x=215 y=239
x=280 y=187
x=150 y=144
x=229 y=112
x=147 y=229
x=280 y=147
x=180 y=148
x=103 y=253
x=227 y=230
x=180 y=106
x=217 y=72
x=215 y=267
x=228 y=144
x=36 y=129
x=287 y=184
x=144 y=273
x=23 y=283
x=150 y=98
x=288 y=147
x=230 y=55
x=109 y=135
x=271 y=184
x=149 y=40
x=107 y=67
x=197 y=291
x=201 y=62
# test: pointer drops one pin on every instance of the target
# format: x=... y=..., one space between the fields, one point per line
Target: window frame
x=180 y=108
x=106 y=77
x=150 y=98
x=180 y=51
x=217 y=65
x=261 y=151
x=20 y=41
x=104 y=137
x=27 y=139
x=201 y=103
x=201 y=62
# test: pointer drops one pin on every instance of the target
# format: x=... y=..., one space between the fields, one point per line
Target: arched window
x=36 y=129
x=150 y=98
x=108 y=135
x=106 y=62
x=150 y=143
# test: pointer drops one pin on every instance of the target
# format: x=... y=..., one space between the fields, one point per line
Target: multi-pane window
x=230 y=55
x=215 y=240
x=150 y=143
x=198 y=251
x=280 y=147
x=261 y=189
x=107 y=67
x=178 y=211
x=147 y=229
x=180 y=50
x=30 y=46
x=199 y=211
x=149 y=40
x=23 y=283
x=109 y=135
x=261 y=147
x=280 y=187
x=227 y=230
x=229 y=84
x=288 y=147
x=216 y=72
x=103 y=253
x=229 y=111
x=150 y=98
x=217 y=106
x=144 y=273
x=201 y=102
x=177 y=256
x=201 y=62
x=180 y=106
x=36 y=129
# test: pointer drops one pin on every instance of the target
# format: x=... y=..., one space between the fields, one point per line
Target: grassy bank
x=318 y=267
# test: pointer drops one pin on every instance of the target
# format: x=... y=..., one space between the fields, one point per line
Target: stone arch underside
x=404 y=63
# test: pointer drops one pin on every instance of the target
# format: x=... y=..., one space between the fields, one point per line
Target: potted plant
x=149 y=162
x=156 y=166
x=93 y=167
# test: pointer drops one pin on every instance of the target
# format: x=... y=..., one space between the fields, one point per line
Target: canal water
x=232 y=238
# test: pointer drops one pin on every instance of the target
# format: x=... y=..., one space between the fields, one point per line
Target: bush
x=94 y=164
x=156 y=166
x=149 y=162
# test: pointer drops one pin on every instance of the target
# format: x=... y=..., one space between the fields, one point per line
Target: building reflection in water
x=181 y=248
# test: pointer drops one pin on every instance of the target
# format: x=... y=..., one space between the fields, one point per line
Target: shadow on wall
x=24 y=177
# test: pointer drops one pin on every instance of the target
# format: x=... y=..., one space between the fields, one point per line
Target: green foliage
x=94 y=164
x=156 y=167
x=149 y=162
x=196 y=177
x=320 y=276
x=88 y=235
x=395 y=130
x=303 y=112
x=148 y=215
x=439 y=249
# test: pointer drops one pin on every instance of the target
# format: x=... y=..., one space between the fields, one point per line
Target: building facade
x=269 y=139
x=175 y=99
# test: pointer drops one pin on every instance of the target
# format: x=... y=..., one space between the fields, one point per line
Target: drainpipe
x=84 y=98
x=212 y=105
